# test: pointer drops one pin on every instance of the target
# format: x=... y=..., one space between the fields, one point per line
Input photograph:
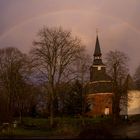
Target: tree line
x=50 y=79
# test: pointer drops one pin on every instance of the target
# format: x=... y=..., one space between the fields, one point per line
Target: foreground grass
x=21 y=132
x=39 y=127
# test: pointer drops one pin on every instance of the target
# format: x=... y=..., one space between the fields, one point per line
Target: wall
x=134 y=102
x=133 y=107
x=99 y=102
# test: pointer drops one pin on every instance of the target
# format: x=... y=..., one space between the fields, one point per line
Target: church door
x=106 y=111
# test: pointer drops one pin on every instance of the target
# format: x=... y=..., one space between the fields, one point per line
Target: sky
x=118 y=23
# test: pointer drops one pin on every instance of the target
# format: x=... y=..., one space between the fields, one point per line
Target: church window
x=90 y=105
x=99 y=67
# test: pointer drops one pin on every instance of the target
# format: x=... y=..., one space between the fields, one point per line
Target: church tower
x=100 y=85
x=98 y=69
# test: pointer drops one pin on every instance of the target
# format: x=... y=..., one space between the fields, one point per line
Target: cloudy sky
x=118 y=22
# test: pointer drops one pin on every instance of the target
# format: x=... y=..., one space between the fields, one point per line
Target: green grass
x=39 y=127
x=20 y=132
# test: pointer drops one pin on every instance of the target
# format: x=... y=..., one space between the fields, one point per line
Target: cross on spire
x=97 y=30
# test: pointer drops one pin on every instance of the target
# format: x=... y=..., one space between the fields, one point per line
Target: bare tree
x=117 y=68
x=82 y=66
x=13 y=74
x=82 y=72
x=55 y=52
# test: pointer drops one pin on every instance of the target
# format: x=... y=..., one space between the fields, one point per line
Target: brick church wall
x=99 y=102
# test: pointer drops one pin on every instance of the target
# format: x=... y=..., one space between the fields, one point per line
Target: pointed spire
x=97 y=51
x=129 y=83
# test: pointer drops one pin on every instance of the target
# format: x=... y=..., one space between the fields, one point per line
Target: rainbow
x=28 y=21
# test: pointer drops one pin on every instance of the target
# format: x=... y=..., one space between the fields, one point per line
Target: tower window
x=99 y=67
x=97 y=57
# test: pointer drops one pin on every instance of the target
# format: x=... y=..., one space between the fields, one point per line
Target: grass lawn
x=39 y=127
x=24 y=132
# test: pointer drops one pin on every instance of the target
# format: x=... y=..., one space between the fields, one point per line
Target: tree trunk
x=51 y=114
x=116 y=105
x=51 y=106
x=83 y=104
x=20 y=116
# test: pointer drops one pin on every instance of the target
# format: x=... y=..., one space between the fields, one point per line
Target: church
x=100 y=89
x=100 y=85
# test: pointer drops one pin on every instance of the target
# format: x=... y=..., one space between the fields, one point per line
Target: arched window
x=107 y=111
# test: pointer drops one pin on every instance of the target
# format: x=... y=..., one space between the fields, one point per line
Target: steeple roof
x=129 y=83
x=97 y=54
x=97 y=51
